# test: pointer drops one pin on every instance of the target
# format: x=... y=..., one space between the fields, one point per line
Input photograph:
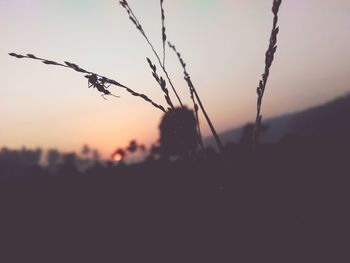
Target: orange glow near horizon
x=223 y=42
x=117 y=157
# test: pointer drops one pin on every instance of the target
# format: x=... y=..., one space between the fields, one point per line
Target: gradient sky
x=222 y=41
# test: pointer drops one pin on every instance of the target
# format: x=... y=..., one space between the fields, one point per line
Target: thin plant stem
x=164 y=37
x=138 y=25
x=99 y=81
x=195 y=94
x=162 y=84
x=269 y=56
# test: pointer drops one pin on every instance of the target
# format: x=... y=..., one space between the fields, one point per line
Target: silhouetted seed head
x=269 y=57
x=16 y=55
x=31 y=56
x=164 y=37
x=95 y=80
x=276 y=6
x=191 y=88
x=161 y=82
x=136 y=22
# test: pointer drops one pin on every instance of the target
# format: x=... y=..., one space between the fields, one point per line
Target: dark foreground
x=271 y=206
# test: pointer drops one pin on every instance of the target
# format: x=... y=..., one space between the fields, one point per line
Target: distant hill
x=329 y=119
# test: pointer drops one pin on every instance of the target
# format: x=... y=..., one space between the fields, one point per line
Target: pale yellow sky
x=222 y=41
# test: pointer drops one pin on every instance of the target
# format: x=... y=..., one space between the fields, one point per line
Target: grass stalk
x=96 y=80
x=194 y=95
x=162 y=84
x=138 y=25
x=164 y=37
x=269 y=57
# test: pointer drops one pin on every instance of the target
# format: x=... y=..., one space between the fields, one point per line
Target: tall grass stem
x=91 y=75
x=195 y=95
x=269 y=57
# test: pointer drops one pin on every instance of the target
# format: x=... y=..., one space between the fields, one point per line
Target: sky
x=222 y=41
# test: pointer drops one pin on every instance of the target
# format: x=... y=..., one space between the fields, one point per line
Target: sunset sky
x=222 y=41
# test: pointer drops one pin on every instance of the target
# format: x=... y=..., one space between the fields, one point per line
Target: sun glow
x=117 y=157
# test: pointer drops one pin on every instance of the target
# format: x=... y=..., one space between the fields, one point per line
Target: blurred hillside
x=324 y=120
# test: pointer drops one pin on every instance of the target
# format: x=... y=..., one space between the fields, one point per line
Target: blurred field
x=267 y=206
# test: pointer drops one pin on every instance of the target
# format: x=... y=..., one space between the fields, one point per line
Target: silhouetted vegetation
x=178 y=134
x=280 y=202
x=102 y=83
x=270 y=54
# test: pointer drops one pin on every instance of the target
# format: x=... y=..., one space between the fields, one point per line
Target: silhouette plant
x=270 y=53
x=194 y=97
x=96 y=80
x=102 y=83
x=193 y=91
x=136 y=22
x=161 y=82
